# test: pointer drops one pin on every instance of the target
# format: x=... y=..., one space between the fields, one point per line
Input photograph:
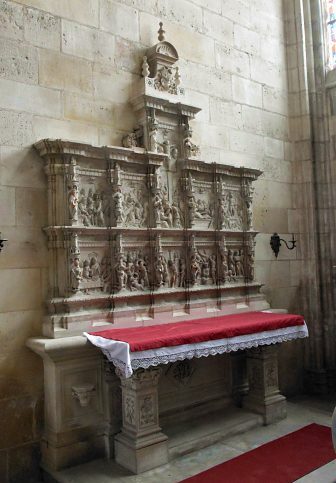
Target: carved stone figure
x=105 y=273
x=174 y=152
x=133 y=281
x=192 y=209
x=182 y=273
x=224 y=263
x=129 y=210
x=205 y=271
x=118 y=199
x=238 y=263
x=250 y=263
x=89 y=206
x=157 y=207
x=166 y=216
x=231 y=207
x=160 y=271
x=222 y=214
x=98 y=215
x=139 y=212
x=94 y=269
x=248 y=191
x=73 y=203
x=117 y=175
x=154 y=143
x=130 y=140
x=86 y=269
x=142 y=272
x=213 y=268
x=121 y=273
x=190 y=149
x=82 y=208
x=172 y=273
x=195 y=269
x=76 y=274
x=176 y=215
x=231 y=265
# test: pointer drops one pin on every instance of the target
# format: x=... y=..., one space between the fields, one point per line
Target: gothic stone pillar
x=141 y=445
x=264 y=396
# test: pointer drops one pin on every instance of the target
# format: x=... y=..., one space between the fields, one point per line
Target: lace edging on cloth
x=211 y=351
x=165 y=355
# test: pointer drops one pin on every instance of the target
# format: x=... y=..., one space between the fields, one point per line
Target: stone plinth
x=74 y=419
x=264 y=396
x=141 y=445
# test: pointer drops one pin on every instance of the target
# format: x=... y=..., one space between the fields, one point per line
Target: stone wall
x=66 y=71
x=313 y=134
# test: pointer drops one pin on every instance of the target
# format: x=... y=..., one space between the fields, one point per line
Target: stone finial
x=161 y=32
x=145 y=67
x=177 y=76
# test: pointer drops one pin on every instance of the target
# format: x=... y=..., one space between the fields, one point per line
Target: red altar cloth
x=200 y=330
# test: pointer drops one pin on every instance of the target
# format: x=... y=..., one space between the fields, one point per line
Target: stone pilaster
x=141 y=445
x=264 y=396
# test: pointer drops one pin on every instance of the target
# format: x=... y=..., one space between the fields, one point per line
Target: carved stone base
x=74 y=420
x=272 y=409
x=264 y=396
x=143 y=454
x=141 y=445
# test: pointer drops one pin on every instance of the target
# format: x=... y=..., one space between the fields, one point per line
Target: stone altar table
x=136 y=352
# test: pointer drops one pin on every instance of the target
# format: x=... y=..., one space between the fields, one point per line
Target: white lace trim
x=127 y=362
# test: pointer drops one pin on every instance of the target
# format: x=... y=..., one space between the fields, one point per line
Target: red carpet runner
x=281 y=461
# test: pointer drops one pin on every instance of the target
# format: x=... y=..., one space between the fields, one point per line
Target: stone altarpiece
x=139 y=234
x=148 y=229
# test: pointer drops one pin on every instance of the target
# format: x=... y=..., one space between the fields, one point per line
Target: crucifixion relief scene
x=167 y=230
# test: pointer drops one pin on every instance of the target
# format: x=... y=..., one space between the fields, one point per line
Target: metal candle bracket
x=275 y=243
x=2 y=241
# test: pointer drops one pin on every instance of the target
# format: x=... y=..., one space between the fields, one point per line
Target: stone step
x=183 y=438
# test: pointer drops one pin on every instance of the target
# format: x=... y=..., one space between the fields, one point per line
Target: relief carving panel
x=128 y=224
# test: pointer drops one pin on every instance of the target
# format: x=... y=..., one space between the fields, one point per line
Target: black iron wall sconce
x=2 y=241
x=276 y=243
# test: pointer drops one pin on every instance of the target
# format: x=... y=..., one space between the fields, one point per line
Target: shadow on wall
x=23 y=262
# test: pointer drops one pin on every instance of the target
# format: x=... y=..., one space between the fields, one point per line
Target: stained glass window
x=331 y=26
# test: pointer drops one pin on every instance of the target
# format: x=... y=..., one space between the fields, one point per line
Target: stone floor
x=301 y=411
